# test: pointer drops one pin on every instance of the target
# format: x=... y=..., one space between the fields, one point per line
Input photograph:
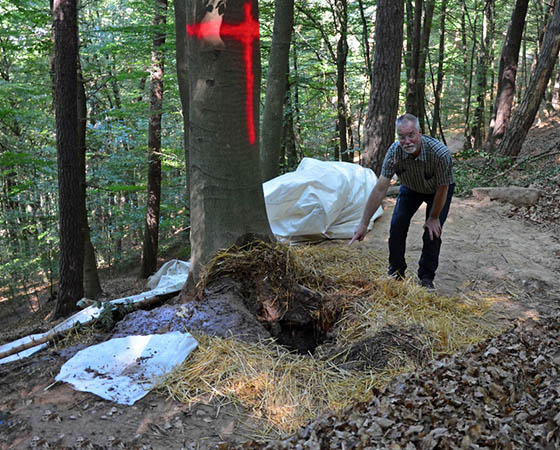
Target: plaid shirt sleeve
x=388 y=167
x=444 y=171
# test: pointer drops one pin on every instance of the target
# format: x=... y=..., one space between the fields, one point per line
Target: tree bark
x=151 y=227
x=384 y=97
x=507 y=73
x=276 y=83
x=227 y=201
x=65 y=21
x=525 y=115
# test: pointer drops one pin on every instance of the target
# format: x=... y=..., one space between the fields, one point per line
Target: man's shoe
x=427 y=283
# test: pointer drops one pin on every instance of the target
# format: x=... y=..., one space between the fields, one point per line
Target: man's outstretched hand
x=359 y=234
x=434 y=228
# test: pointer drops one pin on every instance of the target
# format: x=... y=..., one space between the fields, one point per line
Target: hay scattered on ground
x=288 y=389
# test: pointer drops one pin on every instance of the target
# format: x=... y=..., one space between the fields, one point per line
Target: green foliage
x=110 y=314
x=115 y=56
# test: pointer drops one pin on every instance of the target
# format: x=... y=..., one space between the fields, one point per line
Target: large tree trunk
x=276 y=83
x=71 y=289
x=151 y=227
x=92 y=286
x=507 y=73
x=384 y=98
x=182 y=78
x=525 y=115
x=227 y=201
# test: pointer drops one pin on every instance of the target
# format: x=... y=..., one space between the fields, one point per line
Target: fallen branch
x=59 y=330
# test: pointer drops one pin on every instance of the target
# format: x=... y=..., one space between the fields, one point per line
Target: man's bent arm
x=374 y=201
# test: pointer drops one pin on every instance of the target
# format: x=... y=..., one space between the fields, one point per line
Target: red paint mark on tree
x=245 y=32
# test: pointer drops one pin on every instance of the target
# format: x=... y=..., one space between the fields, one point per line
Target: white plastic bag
x=321 y=199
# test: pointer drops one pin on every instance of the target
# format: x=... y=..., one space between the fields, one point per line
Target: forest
x=136 y=132
x=453 y=55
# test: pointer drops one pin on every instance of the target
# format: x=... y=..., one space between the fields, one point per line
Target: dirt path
x=484 y=251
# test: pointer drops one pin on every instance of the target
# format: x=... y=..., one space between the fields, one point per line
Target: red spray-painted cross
x=245 y=32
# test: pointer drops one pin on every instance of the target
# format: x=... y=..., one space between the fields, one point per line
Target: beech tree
x=92 y=285
x=151 y=226
x=276 y=85
x=71 y=199
x=227 y=201
x=384 y=96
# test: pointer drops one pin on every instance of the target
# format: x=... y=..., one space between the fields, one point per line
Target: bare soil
x=488 y=249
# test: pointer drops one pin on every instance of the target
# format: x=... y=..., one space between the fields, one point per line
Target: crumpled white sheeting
x=321 y=199
x=123 y=370
x=172 y=275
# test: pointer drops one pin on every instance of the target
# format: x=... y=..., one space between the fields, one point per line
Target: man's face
x=409 y=137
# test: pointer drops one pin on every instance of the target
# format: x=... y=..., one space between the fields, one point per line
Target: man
x=425 y=170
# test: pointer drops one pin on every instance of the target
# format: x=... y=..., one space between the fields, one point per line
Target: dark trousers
x=408 y=203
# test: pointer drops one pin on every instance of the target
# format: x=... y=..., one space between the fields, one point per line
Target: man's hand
x=359 y=234
x=434 y=227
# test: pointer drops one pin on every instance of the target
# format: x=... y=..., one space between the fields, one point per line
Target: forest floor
x=511 y=254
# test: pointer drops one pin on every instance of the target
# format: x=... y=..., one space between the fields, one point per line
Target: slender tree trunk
x=507 y=73
x=182 y=78
x=411 y=88
x=478 y=128
x=365 y=40
x=227 y=201
x=424 y=48
x=341 y=56
x=71 y=286
x=92 y=286
x=289 y=136
x=436 y=121
x=277 y=79
x=384 y=98
x=525 y=114
x=151 y=228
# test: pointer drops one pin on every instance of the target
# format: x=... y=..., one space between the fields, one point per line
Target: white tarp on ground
x=123 y=370
x=169 y=278
x=321 y=199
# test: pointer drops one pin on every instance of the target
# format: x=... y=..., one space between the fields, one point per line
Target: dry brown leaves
x=503 y=393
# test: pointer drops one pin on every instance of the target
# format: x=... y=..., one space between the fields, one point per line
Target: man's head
x=408 y=133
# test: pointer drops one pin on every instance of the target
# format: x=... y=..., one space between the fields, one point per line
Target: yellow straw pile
x=288 y=389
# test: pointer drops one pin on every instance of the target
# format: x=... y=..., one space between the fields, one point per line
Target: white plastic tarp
x=169 y=278
x=172 y=275
x=321 y=199
x=123 y=370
